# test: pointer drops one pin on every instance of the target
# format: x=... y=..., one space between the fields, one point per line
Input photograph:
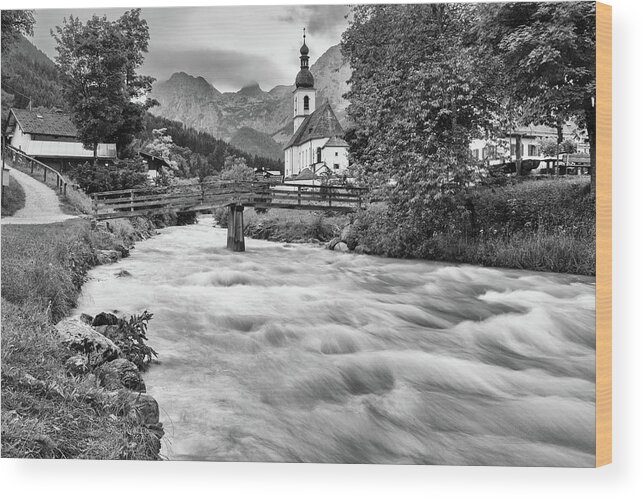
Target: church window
x=336 y=154
x=319 y=159
x=336 y=166
x=306 y=103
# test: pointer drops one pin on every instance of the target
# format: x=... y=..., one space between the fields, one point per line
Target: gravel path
x=41 y=203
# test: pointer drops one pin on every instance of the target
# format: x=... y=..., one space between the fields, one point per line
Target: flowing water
x=295 y=353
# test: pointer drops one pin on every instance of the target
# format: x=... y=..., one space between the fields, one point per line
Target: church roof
x=322 y=123
x=336 y=142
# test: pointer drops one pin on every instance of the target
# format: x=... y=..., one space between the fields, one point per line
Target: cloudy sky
x=228 y=46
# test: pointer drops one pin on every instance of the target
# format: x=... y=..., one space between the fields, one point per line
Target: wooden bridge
x=234 y=195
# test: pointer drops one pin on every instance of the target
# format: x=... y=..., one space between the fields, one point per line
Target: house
x=531 y=138
x=317 y=144
x=50 y=136
x=155 y=165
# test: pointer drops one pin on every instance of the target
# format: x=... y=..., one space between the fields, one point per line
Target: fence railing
x=17 y=156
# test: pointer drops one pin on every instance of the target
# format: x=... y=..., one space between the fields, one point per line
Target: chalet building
x=317 y=148
x=51 y=137
x=531 y=138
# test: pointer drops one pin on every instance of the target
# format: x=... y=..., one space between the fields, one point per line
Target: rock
x=123 y=273
x=362 y=250
x=333 y=242
x=341 y=246
x=107 y=256
x=86 y=319
x=120 y=373
x=122 y=250
x=82 y=338
x=105 y=319
x=111 y=331
x=346 y=232
x=77 y=365
x=143 y=407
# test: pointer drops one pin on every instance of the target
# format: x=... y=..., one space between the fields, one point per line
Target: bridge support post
x=236 y=241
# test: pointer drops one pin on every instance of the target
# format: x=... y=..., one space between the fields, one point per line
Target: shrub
x=126 y=174
x=131 y=338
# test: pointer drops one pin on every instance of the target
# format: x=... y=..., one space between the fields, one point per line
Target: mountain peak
x=197 y=84
x=251 y=89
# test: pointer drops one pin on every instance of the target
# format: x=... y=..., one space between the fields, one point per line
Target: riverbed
x=293 y=353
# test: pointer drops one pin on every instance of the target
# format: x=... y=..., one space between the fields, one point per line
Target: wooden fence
x=34 y=165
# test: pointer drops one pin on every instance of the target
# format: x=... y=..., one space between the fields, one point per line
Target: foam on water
x=294 y=353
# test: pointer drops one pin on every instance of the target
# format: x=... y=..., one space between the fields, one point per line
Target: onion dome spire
x=304 y=77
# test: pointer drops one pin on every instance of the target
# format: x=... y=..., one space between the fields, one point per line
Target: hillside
x=196 y=103
x=257 y=143
x=28 y=72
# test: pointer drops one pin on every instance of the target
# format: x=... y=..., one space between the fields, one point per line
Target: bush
x=131 y=337
x=101 y=177
x=540 y=225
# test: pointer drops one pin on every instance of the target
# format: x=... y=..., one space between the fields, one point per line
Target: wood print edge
x=603 y=234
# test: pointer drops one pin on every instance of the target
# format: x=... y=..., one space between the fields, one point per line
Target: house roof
x=45 y=123
x=318 y=125
x=543 y=130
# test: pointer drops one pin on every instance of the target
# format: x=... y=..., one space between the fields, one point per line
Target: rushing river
x=294 y=353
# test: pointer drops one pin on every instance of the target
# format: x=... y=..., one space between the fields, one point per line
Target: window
x=306 y=103
x=533 y=150
x=336 y=166
x=319 y=159
x=336 y=154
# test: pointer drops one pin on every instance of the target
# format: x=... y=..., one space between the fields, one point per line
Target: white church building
x=317 y=149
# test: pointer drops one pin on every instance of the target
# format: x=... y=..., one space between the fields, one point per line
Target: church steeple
x=304 y=94
x=304 y=77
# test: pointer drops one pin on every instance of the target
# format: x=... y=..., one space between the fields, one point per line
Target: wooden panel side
x=603 y=234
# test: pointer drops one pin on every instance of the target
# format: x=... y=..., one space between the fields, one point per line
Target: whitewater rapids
x=295 y=353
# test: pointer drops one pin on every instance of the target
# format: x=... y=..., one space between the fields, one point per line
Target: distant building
x=50 y=136
x=317 y=148
x=531 y=138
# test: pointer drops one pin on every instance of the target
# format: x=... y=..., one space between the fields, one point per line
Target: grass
x=45 y=412
x=293 y=225
x=13 y=199
x=543 y=225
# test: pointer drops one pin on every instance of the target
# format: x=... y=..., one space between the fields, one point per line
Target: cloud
x=225 y=69
x=319 y=19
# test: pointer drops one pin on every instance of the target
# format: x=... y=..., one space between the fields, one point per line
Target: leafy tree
x=14 y=24
x=236 y=169
x=98 y=61
x=417 y=98
x=547 y=52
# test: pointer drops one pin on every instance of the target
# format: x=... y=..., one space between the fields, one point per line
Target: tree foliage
x=14 y=24
x=98 y=61
x=417 y=98
x=546 y=52
x=235 y=168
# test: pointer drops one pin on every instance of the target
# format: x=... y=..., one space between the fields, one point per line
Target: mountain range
x=254 y=120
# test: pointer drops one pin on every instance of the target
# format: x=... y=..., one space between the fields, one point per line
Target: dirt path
x=41 y=203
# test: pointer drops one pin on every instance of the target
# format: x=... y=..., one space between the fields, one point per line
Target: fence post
x=131 y=200
x=299 y=194
x=65 y=189
x=31 y=162
x=44 y=172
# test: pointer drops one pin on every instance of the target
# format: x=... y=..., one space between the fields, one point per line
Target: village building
x=531 y=139
x=317 y=148
x=51 y=137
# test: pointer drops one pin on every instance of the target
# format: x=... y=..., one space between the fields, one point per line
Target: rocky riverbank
x=73 y=389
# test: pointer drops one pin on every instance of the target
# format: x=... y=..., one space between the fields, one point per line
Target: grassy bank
x=13 y=199
x=544 y=225
x=47 y=413
x=293 y=225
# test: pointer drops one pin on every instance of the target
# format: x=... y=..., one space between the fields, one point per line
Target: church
x=317 y=149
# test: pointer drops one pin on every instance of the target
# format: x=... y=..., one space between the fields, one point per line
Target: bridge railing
x=209 y=195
